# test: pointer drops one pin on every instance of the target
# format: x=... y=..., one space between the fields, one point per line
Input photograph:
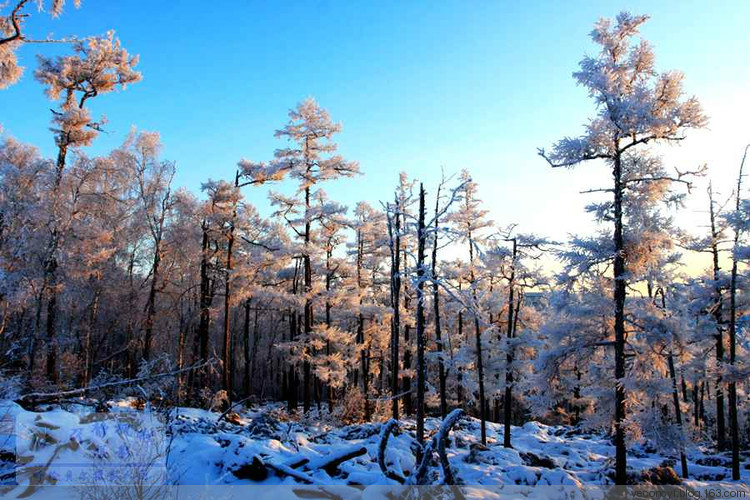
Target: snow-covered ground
x=187 y=446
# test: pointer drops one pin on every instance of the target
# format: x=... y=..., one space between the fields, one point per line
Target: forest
x=411 y=342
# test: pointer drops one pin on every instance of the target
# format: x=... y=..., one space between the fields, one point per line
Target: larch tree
x=225 y=199
x=636 y=106
x=516 y=252
x=99 y=66
x=231 y=202
x=713 y=244
x=402 y=216
x=436 y=243
x=311 y=160
x=396 y=213
x=335 y=344
x=468 y=222
x=369 y=256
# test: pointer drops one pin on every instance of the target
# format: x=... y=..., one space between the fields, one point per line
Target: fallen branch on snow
x=48 y=397
x=330 y=463
x=386 y=430
x=257 y=469
x=442 y=439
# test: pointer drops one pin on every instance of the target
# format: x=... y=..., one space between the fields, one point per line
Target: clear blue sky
x=416 y=85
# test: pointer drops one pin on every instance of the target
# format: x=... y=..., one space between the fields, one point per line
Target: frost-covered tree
x=708 y=293
x=400 y=241
x=636 y=106
x=99 y=66
x=512 y=260
x=153 y=183
x=369 y=255
x=22 y=174
x=13 y=34
x=311 y=160
x=740 y=222
x=469 y=222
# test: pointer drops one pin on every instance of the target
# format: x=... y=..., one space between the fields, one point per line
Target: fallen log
x=258 y=469
x=330 y=463
x=283 y=470
x=419 y=477
x=254 y=471
x=297 y=463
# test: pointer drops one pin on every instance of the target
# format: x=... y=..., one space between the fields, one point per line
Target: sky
x=418 y=86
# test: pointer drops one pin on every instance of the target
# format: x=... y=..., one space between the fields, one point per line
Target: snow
x=189 y=447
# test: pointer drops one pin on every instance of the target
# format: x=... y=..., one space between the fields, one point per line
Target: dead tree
x=394 y=233
x=436 y=310
x=421 y=338
x=717 y=312
x=733 y=421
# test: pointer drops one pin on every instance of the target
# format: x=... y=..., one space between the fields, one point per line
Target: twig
x=228 y=410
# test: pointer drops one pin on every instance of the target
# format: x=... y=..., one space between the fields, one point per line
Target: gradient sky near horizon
x=417 y=86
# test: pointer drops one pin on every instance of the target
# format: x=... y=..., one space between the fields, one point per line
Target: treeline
x=419 y=305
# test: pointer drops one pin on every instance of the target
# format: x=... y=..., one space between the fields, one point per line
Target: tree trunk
x=51 y=367
x=396 y=304
x=406 y=387
x=717 y=314
x=308 y=303
x=291 y=383
x=151 y=302
x=227 y=371
x=678 y=414
x=254 y=352
x=363 y=365
x=329 y=280
x=49 y=282
x=436 y=312
x=205 y=304
x=507 y=407
x=459 y=369
x=619 y=299
x=478 y=340
x=88 y=356
x=421 y=369
x=246 y=332
x=733 y=420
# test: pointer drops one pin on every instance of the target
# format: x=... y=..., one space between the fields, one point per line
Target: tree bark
x=436 y=312
x=151 y=302
x=395 y=238
x=619 y=326
x=246 y=346
x=717 y=314
x=49 y=282
x=406 y=381
x=227 y=371
x=363 y=355
x=508 y=406
x=205 y=304
x=308 y=302
x=478 y=343
x=678 y=414
x=733 y=420
x=421 y=369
